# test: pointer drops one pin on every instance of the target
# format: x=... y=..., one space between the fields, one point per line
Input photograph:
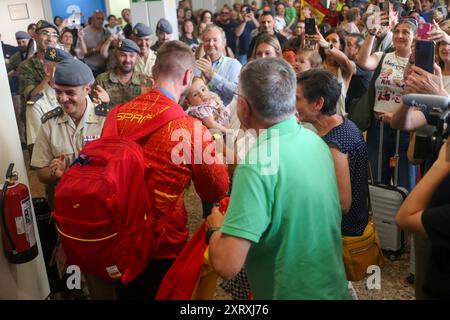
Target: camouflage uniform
x=31 y=73
x=14 y=62
x=19 y=107
x=119 y=93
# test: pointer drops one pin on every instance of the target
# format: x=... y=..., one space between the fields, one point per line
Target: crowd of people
x=260 y=81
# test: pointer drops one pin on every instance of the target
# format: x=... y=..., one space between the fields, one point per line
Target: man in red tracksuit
x=171 y=174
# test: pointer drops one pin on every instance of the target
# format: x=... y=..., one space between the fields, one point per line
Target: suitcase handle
x=380 y=155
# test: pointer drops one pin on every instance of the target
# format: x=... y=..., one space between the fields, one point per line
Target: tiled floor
x=393 y=275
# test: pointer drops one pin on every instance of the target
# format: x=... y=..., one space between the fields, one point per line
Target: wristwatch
x=209 y=233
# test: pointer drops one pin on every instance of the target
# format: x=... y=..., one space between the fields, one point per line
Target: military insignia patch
x=52 y=54
x=120 y=44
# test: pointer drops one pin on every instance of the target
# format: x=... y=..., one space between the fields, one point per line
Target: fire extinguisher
x=18 y=234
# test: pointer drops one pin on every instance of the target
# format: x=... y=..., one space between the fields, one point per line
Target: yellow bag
x=361 y=252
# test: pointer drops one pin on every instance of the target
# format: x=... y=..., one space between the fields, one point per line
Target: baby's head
x=306 y=60
x=198 y=93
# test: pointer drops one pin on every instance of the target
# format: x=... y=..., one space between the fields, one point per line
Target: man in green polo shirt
x=284 y=218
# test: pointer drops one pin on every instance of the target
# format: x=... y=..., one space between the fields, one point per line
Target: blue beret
x=22 y=35
x=56 y=54
x=128 y=45
x=164 y=26
x=42 y=24
x=73 y=73
x=141 y=30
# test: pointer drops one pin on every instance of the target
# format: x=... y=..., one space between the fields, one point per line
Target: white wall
x=149 y=13
x=27 y=280
x=115 y=6
x=9 y=27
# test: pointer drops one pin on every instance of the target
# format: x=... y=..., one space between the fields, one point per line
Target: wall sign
x=18 y=11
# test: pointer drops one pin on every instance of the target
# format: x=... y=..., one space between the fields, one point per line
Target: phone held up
x=425 y=55
x=422 y=30
x=384 y=8
x=310 y=26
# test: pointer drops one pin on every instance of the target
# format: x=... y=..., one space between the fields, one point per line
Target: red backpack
x=103 y=208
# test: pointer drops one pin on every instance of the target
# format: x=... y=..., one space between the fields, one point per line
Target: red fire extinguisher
x=19 y=239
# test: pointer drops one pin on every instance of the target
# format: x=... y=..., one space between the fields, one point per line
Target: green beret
x=42 y=24
x=73 y=73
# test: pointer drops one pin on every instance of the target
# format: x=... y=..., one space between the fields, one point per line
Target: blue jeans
x=406 y=171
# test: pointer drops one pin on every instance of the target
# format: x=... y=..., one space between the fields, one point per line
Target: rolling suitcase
x=386 y=200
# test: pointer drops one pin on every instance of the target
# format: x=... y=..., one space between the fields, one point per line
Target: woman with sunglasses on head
x=388 y=93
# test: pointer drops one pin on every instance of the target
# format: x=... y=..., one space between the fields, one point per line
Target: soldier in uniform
x=123 y=83
x=46 y=100
x=163 y=32
x=147 y=57
x=67 y=128
x=22 y=38
x=32 y=78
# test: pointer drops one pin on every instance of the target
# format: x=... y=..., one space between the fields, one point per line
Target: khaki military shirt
x=36 y=108
x=145 y=66
x=119 y=93
x=31 y=73
x=59 y=136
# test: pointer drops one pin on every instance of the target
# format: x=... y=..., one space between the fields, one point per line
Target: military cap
x=42 y=24
x=141 y=30
x=73 y=73
x=56 y=54
x=128 y=45
x=164 y=25
x=20 y=35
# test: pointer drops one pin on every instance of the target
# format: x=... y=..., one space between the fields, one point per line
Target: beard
x=126 y=68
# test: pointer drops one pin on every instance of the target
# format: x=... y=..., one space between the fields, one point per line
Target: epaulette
x=51 y=114
x=34 y=99
x=102 y=109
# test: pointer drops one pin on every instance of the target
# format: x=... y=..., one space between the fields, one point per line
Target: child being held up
x=206 y=106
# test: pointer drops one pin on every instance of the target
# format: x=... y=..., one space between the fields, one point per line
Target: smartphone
x=310 y=26
x=422 y=30
x=384 y=8
x=425 y=55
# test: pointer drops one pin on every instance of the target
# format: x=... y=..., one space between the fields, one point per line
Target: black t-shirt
x=358 y=85
x=127 y=30
x=229 y=32
x=246 y=37
x=436 y=222
x=442 y=195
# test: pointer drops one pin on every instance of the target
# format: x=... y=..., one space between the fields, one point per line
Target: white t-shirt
x=446 y=81
x=390 y=83
x=280 y=23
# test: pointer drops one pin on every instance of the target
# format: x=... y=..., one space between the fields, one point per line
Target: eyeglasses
x=49 y=34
